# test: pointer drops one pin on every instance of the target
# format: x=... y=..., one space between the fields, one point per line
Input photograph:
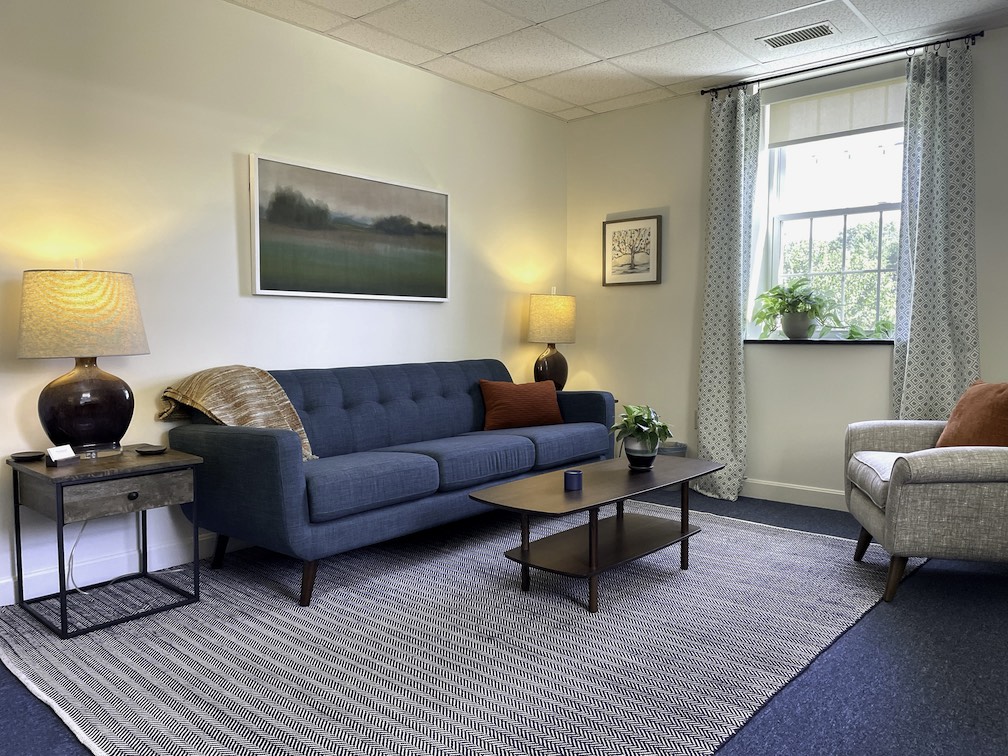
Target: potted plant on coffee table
x=639 y=430
x=797 y=307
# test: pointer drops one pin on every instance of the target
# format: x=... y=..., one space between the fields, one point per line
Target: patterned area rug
x=426 y=645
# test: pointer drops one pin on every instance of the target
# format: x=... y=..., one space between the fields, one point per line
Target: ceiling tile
x=630 y=101
x=592 y=83
x=617 y=27
x=686 y=59
x=718 y=15
x=296 y=12
x=834 y=54
x=541 y=10
x=527 y=54
x=890 y=16
x=525 y=95
x=353 y=8
x=376 y=41
x=446 y=25
x=848 y=28
x=720 y=80
x=456 y=70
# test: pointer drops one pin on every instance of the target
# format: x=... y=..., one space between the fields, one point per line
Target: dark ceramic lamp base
x=551 y=366
x=87 y=408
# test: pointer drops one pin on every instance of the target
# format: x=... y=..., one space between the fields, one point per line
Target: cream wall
x=642 y=341
x=124 y=141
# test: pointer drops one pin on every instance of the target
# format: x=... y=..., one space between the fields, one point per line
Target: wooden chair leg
x=219 y=548
x=896 y=567
x=308 y=571
x=863 y=540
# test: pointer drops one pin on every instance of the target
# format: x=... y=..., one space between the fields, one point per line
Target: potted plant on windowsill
x=797 y=307
x=639 y=430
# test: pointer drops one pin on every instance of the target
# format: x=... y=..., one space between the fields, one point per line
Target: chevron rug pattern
x=425 y=645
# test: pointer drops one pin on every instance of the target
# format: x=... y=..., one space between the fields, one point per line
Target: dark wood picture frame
x=631 y=251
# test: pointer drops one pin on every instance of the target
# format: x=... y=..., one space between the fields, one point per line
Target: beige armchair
x=917 y=500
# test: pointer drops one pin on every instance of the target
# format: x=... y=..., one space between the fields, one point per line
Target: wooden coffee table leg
x=684 y=521
x=593 y=559
x=525 y=551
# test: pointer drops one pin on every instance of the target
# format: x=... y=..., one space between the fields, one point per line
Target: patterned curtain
x=937 y=352
x=721 y=403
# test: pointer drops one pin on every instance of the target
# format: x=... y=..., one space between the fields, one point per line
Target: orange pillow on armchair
x=980 y=417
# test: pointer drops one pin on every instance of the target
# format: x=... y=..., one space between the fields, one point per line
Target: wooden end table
x=92 y=488
x=589 y=550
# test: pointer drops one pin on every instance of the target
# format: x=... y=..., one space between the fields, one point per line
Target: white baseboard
x=41 y=582
x=789 y=493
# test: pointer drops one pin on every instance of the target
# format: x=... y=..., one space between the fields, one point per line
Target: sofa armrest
x=251 y=485
x=952 y=464
x=589 y=407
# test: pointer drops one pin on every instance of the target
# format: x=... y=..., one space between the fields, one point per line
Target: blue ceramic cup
x=572 y=480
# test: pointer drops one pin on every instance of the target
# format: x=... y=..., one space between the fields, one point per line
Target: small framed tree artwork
x=631 y=251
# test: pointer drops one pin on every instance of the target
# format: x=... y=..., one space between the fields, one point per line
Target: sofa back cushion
x=354 y=409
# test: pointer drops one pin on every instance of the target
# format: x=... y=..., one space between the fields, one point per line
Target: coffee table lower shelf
x=621 y=539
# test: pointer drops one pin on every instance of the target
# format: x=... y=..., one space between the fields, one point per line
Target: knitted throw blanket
x=235 y=395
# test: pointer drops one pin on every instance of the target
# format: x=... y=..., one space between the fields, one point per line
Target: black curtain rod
x=971 y=37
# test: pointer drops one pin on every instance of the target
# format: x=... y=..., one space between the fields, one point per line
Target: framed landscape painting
x=631 y=251
x=316 y=233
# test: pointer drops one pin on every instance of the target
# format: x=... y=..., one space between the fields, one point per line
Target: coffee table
x=589 y=550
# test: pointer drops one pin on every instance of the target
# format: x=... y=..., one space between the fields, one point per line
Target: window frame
x=767 y=234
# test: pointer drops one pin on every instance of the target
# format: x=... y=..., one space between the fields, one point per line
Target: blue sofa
x=399 y=447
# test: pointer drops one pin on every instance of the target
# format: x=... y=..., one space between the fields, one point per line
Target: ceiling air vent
x=793 y=37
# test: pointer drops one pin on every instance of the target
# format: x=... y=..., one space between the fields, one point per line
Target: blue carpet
x=926 y=674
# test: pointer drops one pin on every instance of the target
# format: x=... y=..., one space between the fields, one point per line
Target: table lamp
x=84 y=314
x=551 y=321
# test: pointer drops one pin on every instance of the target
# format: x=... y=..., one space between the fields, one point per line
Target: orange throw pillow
x=980 y=417
x=517 y=405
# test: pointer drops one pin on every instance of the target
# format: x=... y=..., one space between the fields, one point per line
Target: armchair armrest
x=251 y=485
x=952 y=464
x=892 y=435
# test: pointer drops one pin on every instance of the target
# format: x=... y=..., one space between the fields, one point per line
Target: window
x=834 y=179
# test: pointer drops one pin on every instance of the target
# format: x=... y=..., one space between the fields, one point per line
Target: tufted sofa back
x=352 y=409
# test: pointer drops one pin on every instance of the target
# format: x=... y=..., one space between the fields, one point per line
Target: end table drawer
x=122 y=495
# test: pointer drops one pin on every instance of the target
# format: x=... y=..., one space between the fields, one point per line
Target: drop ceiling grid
x=572 y=58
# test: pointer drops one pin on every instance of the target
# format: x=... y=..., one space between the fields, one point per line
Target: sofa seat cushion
x=470 y=459
x=557 y=445
x=870 y=471
x=350 y=483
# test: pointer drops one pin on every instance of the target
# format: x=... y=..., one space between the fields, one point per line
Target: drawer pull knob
x=133 y=495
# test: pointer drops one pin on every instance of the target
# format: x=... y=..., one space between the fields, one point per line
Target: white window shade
x=859 y=108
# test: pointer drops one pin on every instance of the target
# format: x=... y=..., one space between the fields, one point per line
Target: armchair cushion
x=980 y=417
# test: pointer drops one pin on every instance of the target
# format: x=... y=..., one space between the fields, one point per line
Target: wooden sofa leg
x=863 y=540
x=308 y=571
x=896 y=567
x=218 y=553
